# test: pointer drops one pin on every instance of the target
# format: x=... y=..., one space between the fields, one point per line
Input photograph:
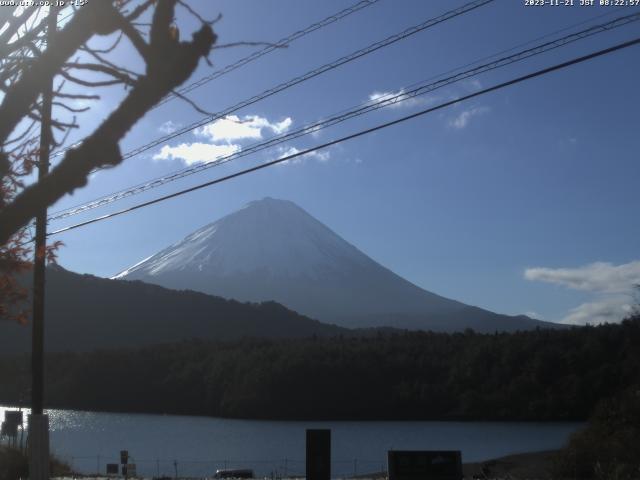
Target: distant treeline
x=534 y=375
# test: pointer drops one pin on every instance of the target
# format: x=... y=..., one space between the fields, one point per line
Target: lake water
x=200 y=445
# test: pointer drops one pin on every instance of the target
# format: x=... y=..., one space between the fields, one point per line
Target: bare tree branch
x=202 y=20
x=109 y=49
x=135 y=38
x=77 y=96
x=193 y=104
x=97 y=55
x=70 y=108
x=95 y=17
x=139 y=10
x=14 y=24
x=168 y=65
x=96 y=67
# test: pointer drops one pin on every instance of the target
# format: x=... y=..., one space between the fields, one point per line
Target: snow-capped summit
x=270 y=236
x=273 y=250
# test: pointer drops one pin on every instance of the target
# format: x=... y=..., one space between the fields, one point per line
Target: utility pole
x=38 y=421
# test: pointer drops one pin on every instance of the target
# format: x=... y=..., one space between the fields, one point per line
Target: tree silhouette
x=27 y=65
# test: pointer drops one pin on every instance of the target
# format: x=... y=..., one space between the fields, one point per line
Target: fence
x=200 y=468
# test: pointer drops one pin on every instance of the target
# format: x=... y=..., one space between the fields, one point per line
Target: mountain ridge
x=84 y=313
x=273 y=249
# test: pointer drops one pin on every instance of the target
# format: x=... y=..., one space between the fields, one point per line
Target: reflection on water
x=197 y=446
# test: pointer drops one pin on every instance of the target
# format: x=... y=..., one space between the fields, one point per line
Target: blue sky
x=522 y=200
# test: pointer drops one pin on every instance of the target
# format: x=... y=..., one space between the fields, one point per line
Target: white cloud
x=220 y=135
x=398 y=99
x=463 y=119
x=609 y=309
x=191 y=153
x=321 y=156
x=168 y=127
x=613 y=286
x=234 y=128
x=599 y=277
x=532 y=314
x=281 y=127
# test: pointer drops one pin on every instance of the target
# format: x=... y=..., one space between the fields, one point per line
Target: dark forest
x=535 y=375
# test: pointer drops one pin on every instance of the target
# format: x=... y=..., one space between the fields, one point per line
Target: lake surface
x=200 y=445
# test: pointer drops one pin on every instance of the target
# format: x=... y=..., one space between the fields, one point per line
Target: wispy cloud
x=599 y=277
x=169 y=127
x=463 y=119
x=399 y=99
x=236 y=128
x=612 y=285
x=321 y=156
x=196 y=152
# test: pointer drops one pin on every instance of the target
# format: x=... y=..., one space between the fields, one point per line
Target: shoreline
x=520 y=465
x=517 y=466
x=390 y=419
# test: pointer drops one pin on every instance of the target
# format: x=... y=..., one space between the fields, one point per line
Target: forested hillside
x=535 y=375
x=85 y=313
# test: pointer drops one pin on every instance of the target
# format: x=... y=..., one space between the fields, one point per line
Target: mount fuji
x=274 y=250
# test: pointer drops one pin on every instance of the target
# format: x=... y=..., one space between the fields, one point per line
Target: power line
x=361 y=133
x=416 y=90
x=315 y=72
x=307 y=76
x=283 y=42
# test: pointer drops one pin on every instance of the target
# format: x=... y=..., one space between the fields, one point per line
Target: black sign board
x=13 y=417
x=124 y=457
x=319 y=454
x=425 y=465
x=112 y=469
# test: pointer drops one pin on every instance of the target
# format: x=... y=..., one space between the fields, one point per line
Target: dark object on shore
x=524 y=465
x=318 y=459
x=234 y=473
x=418 y=465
